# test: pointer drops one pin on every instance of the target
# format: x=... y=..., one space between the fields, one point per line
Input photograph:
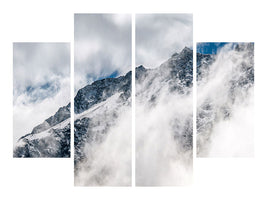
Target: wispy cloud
x=102 y=46
x=158 y=36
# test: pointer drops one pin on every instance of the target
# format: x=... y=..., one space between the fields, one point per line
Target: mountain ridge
x=177 y=67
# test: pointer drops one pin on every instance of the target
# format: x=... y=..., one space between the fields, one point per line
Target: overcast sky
x=41 y=83
x=102 y=46
x=158 y=36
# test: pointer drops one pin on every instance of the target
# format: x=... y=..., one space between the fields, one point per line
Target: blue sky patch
x=210 y=47
x=112 y=75
x=42 y=92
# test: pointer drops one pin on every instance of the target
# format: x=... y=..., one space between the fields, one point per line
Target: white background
x=52 y=21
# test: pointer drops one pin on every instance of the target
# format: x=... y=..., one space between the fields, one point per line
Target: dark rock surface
x=100 y=91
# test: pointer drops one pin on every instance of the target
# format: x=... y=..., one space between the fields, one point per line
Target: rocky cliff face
x=101 y=90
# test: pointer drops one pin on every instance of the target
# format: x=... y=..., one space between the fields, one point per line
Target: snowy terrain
x=49 y=139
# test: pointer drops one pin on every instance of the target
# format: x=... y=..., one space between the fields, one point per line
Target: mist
x=164 y=129
x=160 y=160
x=108 y=152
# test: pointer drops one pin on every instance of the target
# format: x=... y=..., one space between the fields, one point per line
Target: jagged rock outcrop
x=100 y=91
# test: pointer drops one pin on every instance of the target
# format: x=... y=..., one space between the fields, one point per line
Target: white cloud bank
x=109 y=163
x=160 y=159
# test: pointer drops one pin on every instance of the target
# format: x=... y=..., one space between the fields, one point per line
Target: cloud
x=41 y=83
x=35 y=63
x=102 y=46
x=160 y=160
x=158 y=36
x=106 y=164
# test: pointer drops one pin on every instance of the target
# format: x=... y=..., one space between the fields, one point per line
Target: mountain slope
x=98 y=108
x=49 y=139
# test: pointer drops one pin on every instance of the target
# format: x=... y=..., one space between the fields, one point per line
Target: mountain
x=52 y=137
x=100 y=109
x=102 y=123
x=164 y=122
x=174 y=77
x=177 y=72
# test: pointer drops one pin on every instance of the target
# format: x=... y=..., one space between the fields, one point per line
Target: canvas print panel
x=164 y=101
x=102 y=103
x=225 y=87
x=41 y=96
